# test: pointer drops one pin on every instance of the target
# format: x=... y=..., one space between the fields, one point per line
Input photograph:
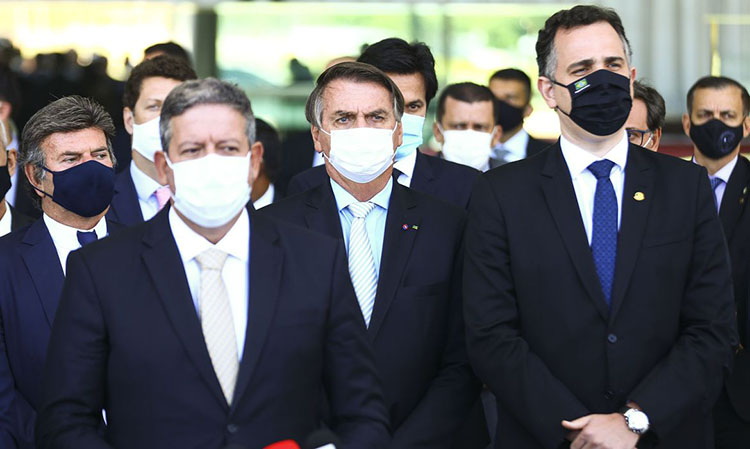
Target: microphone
x=322 y=439
x=286 y=444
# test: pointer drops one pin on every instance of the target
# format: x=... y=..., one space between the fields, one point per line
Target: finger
x=576 y=424
x=579 y=442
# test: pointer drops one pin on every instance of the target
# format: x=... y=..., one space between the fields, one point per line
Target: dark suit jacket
x=442 y=179
x=133 y=344
x=31 y=280
x=735 y=218
x=417 y=326
x=535 y=146
x=18 y=219
x=540 y=333
x=23 y=202
x=125 y=208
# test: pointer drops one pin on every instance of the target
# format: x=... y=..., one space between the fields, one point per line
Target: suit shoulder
x=435 y=206
x=286 y=207
x=452 y=168
x=297 y=236
x=310 y=177
x=10 y=242
x=122 y=242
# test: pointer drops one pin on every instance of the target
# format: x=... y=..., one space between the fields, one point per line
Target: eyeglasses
x=639 y=136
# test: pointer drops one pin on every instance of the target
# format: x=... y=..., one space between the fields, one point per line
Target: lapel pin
x=639 y=196
x=415 y=227
x=405 y=227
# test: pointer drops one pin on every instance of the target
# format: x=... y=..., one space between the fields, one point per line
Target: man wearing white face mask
x=465 y=125
x=404 y=253
x=138 y=193
x=229 y=323
x=412 y=68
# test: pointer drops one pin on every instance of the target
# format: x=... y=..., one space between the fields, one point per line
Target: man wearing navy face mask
x=597 y=289
x=412 y=69
x=67 y=157
x=405 y=253
x=716 y=121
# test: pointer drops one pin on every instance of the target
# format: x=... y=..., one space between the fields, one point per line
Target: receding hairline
x=332 y=83
x=625 y=56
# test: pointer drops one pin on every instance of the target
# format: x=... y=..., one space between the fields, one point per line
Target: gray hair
x=352 y=71
x=206 y=91
x=68 y=114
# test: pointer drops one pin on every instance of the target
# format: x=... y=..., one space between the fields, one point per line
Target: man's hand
x=601 y=432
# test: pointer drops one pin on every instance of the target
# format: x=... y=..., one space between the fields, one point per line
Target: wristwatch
x=636 y=420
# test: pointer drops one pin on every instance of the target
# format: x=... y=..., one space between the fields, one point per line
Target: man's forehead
x=726 y=97
x=595 y=41
x=351 y=95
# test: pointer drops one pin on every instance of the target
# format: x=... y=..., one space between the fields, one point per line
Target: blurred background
x=275 y=50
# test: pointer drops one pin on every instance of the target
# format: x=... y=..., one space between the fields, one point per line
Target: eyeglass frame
x=643 y=132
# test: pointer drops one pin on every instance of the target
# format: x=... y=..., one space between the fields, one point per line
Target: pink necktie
x=162 y=195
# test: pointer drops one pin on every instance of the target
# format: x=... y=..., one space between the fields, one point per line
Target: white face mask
x=467 y=147
x=361 y=154
x=146 y=138
x=210 y=191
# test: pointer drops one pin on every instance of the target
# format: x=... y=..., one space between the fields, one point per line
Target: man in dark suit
x=412 y=68
x=220 y=328
x=138 y=194
x=597 y=290
x=265 y=189
x=410 y=301
x=512 y=89
x=10 y=219
x=66 y=153
x=716 y=121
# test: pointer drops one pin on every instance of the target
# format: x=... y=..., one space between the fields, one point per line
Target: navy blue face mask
x=85 y=189
x=600 y=102
x=715 y=139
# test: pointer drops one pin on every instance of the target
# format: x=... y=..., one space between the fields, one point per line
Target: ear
x=315 y=131
x=5 y=110
x=527 y=110
x=12 y=159
x=547 y=89
x=29 y=172
x=746 y=127
x=163 y=172
x=496 y=136
x=256 y=158
x=436 y=132
x=686 y=124
x=399 y=134
x=127 y=117
x=656 y=139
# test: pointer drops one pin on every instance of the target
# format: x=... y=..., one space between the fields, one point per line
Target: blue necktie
x=84 y=238
x=604 y=235
x=715 y=182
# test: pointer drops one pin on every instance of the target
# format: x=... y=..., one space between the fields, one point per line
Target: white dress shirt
x=6 y=221
x=318 y=159
x=10 y=195
x=266 y=198
x=515 y=146
x=235 y=273
x=144 y=188
x=584 y=182
x=406 y=166
x=724 y=173
x=65 y=238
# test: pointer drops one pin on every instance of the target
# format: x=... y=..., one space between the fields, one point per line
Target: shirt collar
x=190 y=243
x=406 y=164
x=726 y=171
x=516 y=145
x=578 y=159
x=6 y=221
x=344 y=198
x=266 y=198
x=144 y=185
x=63 y=233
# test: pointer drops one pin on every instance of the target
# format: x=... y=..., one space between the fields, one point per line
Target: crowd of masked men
x=507 y=292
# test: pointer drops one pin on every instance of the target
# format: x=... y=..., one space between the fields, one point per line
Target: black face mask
x=715 y=139
x=600 y=102
x=4 y=180
x=507 y=115
x=85 y=189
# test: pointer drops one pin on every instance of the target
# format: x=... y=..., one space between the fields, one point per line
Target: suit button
x=609 y=394
x=612 y=338
x=232 y=428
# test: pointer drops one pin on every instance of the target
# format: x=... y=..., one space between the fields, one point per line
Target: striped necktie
x=361 y=263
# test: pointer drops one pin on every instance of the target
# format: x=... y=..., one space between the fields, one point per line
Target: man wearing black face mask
x=10 y=219
x=597 y=290
x=512 y=88
x=67 y=157
x=716 y=121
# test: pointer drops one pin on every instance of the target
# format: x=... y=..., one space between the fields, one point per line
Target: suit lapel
x=733 y=201
x=164 y=264
x=638 y=179
x=321 y=213
x=423 y=175
x=125 y=205
x=563 y=205
x=397 y=246
x=266 y=261
x=43 y=265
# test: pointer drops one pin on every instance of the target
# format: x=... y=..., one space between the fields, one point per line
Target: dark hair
x=514 y=75
x=353 y=71
x=68 y=114
x=656 y=111
x=267 y=135
x=163 y=66
x=581 y=15
x=718 y=82
x=168 y=48
x=9 y=88
x=394 y=55
x=206 y=91
x=466 y=92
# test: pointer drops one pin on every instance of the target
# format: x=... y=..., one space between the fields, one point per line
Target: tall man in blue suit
x=223 y=327
x=597 y=290
x=138 y=193
x=412 y=69
x=405 y=253
x=67 y=157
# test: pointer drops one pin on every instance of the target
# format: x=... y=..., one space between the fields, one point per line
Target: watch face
x=637 y=420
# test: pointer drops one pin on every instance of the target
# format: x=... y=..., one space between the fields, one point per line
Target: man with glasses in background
x=646 y=120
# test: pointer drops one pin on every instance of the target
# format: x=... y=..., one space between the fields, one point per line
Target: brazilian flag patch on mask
x=581 y=84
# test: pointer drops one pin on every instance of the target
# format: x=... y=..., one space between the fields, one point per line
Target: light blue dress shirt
x=374 y=223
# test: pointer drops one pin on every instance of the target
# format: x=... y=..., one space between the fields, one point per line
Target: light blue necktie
x=715 y=183
x=361 y=263
x=604 y=235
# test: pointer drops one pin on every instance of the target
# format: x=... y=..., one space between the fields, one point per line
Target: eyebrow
x=590 y=61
